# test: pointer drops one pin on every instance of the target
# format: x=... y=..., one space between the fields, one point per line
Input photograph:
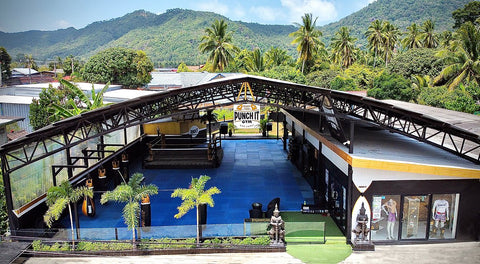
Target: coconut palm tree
x=343 y=48
x=255 y=61
x=194 y=196
x=428 y=37
x=375 y=38
x=218 y=42
x=61 y=196
x=83 y=104
x=130 y=193
x=276 y=57
x=446 y=39
x=307 y=38
x=463 y=60
x=412 y=40
x=390 y=40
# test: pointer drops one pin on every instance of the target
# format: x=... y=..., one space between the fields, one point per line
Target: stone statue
x=361 y=230
x=277 y=231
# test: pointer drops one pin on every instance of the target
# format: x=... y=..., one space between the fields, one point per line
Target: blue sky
x=23 y=15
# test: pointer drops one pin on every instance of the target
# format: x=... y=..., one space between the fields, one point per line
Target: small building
x=4 y=134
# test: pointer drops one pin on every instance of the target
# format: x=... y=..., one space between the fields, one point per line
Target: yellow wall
x=171 y=128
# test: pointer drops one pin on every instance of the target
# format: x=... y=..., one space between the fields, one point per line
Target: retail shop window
x=385 y=217
x=444 y=211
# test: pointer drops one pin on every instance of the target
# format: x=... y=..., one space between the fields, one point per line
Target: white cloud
x=264 y=14
x=213 y=6
x=62 y=24
x=324 y=10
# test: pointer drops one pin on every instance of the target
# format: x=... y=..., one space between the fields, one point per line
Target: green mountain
x=401 y=13
x=171 y=37
x=174 y=36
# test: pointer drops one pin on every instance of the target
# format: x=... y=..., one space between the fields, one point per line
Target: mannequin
x=440 y=216
x=390 y=209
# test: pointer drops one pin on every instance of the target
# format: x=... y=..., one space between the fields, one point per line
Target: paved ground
x=464 y=253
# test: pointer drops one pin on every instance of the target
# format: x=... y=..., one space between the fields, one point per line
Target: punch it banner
x=246 y=116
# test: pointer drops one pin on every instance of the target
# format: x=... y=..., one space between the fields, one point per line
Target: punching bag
x=146 y=211
x=88 y=206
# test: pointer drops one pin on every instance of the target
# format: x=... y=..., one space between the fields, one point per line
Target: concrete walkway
x=464 y=253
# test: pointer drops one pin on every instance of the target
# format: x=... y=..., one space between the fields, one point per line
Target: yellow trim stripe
x=415 y=168
x=356 y=162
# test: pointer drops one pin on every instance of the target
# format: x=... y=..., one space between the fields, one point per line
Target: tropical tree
x=412 y=39
x=5 y=61
x=390 y=40
x=254 y=61
x=209 y=117
x=375 y=38
x=74 y=107
x=428 y=37
x=61 y=196
x=307 y=39
x=470 y=12
x=194 y=196
x=128 y=67
x=276 y=56
x=446 y=39
x=130 y=193
x=463 y=64
x=218 y=42
x=343 y=48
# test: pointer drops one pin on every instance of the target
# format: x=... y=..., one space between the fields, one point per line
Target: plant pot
x=230 y=133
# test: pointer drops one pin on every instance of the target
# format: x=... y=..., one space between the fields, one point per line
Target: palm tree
x=61 y=196
x=130 y=193
x=412 y=40
x=446 y=39
x=375 y=38
x=218 y=42
x=83 y=104
x=343 y=48
x=428 y=36
x=255 y=61
x=194 y=196
x=390 y=36
x=209 y=117
x=463 y=60
x=307 y=38
x=276 y=57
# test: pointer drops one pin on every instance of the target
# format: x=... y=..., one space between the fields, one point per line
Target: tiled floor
x=251 y=171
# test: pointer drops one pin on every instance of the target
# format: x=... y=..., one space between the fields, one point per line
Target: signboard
x=246 y=115
x=193 y=131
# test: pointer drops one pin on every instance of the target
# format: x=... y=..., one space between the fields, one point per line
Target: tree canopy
x=128 y=67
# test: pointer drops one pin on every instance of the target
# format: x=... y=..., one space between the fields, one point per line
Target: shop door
x=415 y=217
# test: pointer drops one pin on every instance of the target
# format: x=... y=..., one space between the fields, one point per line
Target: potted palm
x=194 y=197
x=264 y=126
x=231 y=129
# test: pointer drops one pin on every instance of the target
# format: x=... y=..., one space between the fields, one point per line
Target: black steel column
x=352 y=134
x=349 y=208
x=12 y=218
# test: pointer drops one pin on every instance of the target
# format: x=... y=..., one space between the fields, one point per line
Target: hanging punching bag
x=146 y=211
x=88 y=206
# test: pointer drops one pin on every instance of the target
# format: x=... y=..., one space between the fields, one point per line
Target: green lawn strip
x=309 y=248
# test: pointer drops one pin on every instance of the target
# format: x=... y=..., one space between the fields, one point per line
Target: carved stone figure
x=277 y=231
x=361 y=230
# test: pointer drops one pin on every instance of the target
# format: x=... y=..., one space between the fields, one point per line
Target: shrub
x=343 y=84
x=321 y=78
x=392 y=86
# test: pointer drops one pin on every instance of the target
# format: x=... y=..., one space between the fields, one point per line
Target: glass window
x=385 y=217
x=415 y=216
x=444 y=216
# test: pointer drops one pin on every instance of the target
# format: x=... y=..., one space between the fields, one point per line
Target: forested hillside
x=401 y=13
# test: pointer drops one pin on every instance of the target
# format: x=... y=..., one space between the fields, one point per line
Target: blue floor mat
x=251 y=171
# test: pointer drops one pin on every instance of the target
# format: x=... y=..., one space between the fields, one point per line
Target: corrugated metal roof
x=9 y=99
x=24 y=71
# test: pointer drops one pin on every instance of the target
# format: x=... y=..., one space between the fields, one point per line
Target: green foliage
x=193 y=196
x=217 y=41
x=128 y=67
x=130 y=193
x=254 y=61
x=343 y=48
x=3 y=208
x=167 y=243
x=5 y=61
x=363 y=75
x=307 y=39
x=392 y=86
x=421 y=61
x=38 y=245
x=342 y=83
x=463 y=99
x=68 y=63
x=223 y=113
x=469 y=13
x=183 y=68
x=102 y=246
x=322 y=78
x=39 y=113
x=285 y=73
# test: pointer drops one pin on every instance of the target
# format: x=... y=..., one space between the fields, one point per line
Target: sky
x=24 y=15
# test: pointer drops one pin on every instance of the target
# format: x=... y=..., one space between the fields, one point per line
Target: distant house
x=28 y=76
